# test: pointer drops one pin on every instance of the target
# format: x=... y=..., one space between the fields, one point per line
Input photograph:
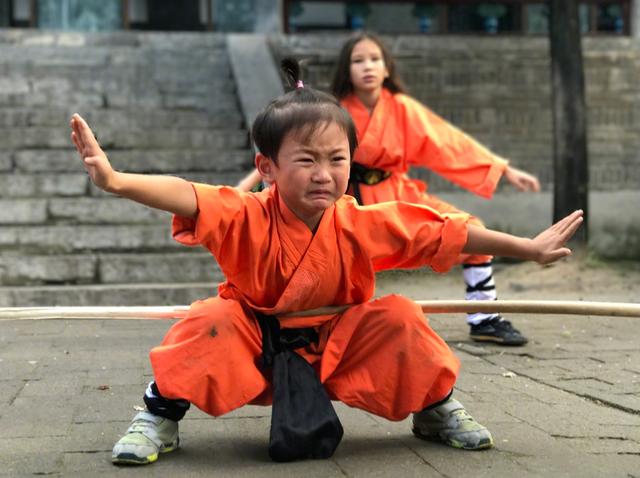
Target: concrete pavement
x=567 y=404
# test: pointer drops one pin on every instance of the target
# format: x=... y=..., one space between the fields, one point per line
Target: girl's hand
x=548 y=246
x=521 y=180
x=93 y=158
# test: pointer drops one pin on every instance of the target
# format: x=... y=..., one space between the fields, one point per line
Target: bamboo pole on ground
x=608 y=309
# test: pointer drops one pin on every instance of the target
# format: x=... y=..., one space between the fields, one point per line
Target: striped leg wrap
x=480 y=286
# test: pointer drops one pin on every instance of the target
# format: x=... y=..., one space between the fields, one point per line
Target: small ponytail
x=292 y=72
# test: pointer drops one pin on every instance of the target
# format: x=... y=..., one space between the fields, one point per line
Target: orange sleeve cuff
x=488 y=187
x=452 y=241
x=184 y=229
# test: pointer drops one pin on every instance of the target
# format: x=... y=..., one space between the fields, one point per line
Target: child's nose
x=321 y=174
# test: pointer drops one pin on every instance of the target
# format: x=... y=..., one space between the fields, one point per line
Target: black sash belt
x=303 y=421
x=363 y=175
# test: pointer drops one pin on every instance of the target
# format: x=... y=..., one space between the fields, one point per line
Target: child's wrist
x=530 y=251
x=113 y=183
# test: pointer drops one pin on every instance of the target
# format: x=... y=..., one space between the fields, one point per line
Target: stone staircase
x=159 y=103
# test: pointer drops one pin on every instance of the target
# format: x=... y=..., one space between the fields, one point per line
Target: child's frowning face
x=368 y=70
x=312 y=171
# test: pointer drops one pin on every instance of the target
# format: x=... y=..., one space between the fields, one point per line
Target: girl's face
x=311 y=173
x=368 y=70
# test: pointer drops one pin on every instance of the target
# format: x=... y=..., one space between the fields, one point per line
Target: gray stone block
x=31 y=161
x=174 y=139
x=23 y=211
x=14 y=117
x=142 y=294
x=23 y=185
x=149 y=268
x=106 y=210
x=67 y=239
x=182 y=161
x=42 y=138
x=59 y=269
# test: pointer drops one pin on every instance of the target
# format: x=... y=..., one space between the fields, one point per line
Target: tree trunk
x=571 y=172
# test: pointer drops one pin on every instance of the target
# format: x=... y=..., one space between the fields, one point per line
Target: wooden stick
x=108 y=312
x=575 y=307
x=610 y=309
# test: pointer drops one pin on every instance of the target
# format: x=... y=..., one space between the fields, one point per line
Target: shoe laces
x=462 y=415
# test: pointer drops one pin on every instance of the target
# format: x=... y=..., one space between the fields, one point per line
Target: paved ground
x=567 y=404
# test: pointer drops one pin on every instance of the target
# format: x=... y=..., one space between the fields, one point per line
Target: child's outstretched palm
x=550 y=244
x=93 y=158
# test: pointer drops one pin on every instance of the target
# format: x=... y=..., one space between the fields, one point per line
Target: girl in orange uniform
x=299 y=245
x=395 y=132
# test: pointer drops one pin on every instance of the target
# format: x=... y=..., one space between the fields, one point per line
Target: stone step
x=79 y=210
x=149 y=161
x=43 y=138
x=214 y=103
x=102 y=210
x=15 y=185
x=67 y=239
x=112 y=118
x=121 y=38
x=175 y=267
x=51 y=185
x=103 y=295
x=112 y=62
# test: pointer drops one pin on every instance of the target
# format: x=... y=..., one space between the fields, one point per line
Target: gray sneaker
x=451 y=424
x=147 y=436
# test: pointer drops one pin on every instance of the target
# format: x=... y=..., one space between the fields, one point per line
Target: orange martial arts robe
x=400 y=133
x=380 y=355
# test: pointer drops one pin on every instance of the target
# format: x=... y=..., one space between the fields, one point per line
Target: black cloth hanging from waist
x=303 y=421
x=362 y=175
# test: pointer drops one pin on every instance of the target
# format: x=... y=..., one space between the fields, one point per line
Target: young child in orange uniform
x=396 y=132
x=299 y=245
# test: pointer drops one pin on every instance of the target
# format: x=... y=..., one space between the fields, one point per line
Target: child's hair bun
x=291 y=69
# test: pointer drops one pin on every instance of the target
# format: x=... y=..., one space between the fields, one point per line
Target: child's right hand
x=93 y=158
x=549 y=245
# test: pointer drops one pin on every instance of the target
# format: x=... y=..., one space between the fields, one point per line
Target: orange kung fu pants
x=380 y=356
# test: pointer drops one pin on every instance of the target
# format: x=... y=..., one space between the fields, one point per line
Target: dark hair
x=341 y=85
x=302 y=109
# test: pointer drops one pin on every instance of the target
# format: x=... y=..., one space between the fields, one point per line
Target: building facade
x=511 y=17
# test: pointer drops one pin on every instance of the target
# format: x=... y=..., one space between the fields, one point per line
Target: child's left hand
x=521 y=180
x=549 y=244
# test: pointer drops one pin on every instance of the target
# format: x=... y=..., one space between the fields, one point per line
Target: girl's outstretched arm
x=249 y=181
x=546 y=247
x=168 y=193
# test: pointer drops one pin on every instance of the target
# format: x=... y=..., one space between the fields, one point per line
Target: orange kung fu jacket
x=274 y=264
x=400 y=133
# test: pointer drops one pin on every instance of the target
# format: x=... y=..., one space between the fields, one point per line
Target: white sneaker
x=451 y=424
x=147 y=436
